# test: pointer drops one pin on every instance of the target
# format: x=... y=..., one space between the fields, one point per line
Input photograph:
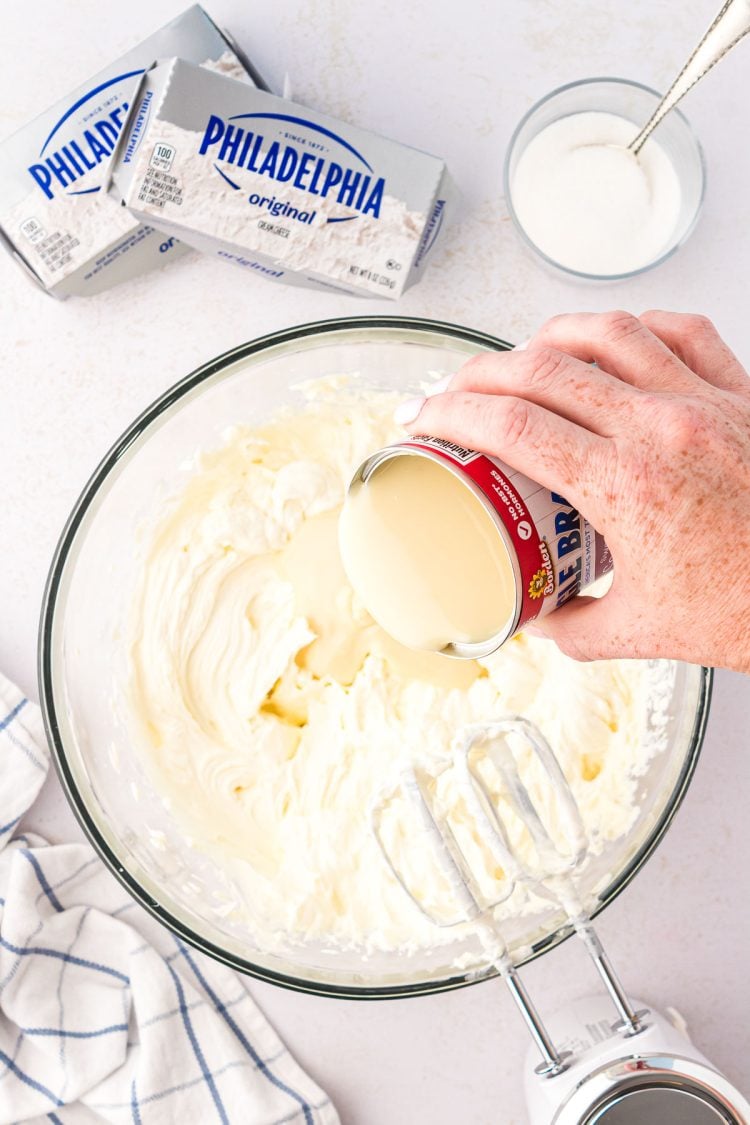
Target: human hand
x=652 y=445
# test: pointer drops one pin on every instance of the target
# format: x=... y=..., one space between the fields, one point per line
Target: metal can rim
x=458 y=649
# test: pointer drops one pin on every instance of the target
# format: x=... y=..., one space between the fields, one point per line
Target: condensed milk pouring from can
x=453 y=551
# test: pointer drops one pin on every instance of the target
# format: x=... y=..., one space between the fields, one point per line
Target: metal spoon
x=731 y=24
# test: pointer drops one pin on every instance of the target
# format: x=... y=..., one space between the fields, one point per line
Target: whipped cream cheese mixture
x=270 y=707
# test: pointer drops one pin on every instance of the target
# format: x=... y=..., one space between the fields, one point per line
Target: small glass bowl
x=636 y=103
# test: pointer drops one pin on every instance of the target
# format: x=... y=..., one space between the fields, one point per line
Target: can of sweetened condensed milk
x=453 y=551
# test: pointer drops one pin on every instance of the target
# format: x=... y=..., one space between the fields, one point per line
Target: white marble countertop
x=452 y=78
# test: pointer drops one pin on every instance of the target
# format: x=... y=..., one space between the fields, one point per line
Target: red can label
x=558 y=551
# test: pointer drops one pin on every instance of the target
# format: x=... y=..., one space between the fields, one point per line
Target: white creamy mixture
x=588 y=203
x=270 y=708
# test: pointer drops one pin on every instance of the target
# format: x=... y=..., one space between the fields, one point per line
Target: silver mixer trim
x=608 y=1096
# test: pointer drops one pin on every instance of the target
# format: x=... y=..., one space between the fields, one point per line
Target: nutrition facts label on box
x=56 y=249
x=162 y=157
x=159 y=188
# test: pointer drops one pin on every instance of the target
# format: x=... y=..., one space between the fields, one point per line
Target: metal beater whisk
x=481 y=754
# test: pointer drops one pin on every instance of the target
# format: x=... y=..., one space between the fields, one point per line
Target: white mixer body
x=616 y=1079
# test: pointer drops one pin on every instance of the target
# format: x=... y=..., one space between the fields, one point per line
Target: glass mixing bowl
x=83 y=659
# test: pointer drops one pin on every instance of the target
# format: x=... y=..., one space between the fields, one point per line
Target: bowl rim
x=75 y=798
x=558 y=267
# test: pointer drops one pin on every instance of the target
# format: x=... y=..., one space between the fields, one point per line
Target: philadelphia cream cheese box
x=55 y=216
x=275 y=187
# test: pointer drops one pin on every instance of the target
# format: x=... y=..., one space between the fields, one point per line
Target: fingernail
x=438 y=387
x=533 y=631
x=520 y=347
x=408 y=412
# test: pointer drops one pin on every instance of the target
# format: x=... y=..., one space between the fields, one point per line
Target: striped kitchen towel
x=104 y=1015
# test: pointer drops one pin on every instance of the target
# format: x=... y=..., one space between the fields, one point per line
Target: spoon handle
x=730 y=25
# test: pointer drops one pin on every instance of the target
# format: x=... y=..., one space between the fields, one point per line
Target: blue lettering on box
x=62 y=167
x=360 y=190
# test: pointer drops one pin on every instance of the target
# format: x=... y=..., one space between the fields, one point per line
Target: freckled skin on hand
x=652 y=445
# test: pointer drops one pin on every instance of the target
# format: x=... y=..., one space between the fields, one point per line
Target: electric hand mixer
x=472 y=815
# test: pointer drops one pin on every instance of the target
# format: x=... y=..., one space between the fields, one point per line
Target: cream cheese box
x=56 y=218
x=277 y=188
